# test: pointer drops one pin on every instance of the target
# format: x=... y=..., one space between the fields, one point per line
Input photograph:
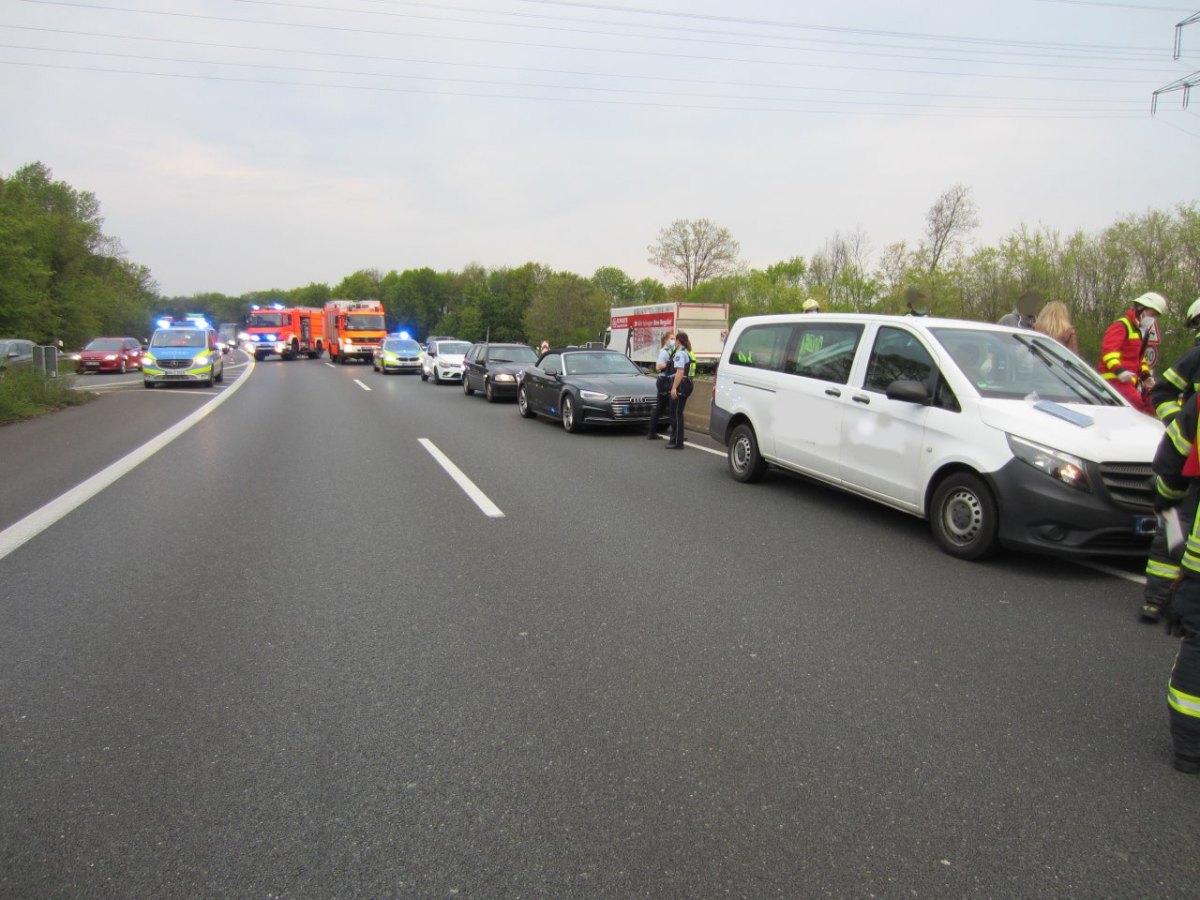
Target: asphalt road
x=289 y=656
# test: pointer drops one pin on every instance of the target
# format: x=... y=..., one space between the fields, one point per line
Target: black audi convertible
x=586 y=387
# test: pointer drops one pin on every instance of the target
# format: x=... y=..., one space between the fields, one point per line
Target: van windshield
x=1015 y=366
x=179 y=337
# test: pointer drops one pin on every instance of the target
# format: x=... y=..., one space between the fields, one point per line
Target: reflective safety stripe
x=1156 y=568
x=1182 y=444
x=1184 y=703
x=1165 y=490
x=1175 y=379
x=1168 y=409
x=1111 y=360
x=1111 y=376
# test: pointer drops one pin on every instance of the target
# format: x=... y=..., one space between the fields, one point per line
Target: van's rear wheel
x=745 y=462
x=963 y=517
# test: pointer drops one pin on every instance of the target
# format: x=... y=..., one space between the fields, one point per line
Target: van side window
x=824 y=351
x=898 y=356
x=762 y=347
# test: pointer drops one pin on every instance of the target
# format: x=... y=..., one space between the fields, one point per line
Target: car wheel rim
x=741 y=454
x=523 y=401
x=568 y=413
x=962 y=516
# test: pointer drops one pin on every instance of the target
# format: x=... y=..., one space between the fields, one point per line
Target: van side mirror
x=909 y=392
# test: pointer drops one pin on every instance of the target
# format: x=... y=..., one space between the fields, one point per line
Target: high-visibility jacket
x=1122 y=349
x=1178 y=385
x=691 y=369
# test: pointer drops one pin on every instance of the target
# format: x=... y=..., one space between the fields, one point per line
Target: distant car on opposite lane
x=110 y=354
x=443 y=361
x=493 y=368
x=15 y=352
x=586 y=387
x=397 y=354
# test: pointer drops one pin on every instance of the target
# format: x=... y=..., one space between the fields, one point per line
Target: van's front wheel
x=963 y=517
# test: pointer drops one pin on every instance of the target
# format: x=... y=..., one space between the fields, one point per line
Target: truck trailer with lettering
x=637 y=331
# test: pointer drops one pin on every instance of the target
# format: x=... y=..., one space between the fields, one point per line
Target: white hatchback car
x=443 y=361
x=995 y=435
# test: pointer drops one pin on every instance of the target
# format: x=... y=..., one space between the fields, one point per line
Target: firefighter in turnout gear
x=1123 y=347
x=1177 y=467
x=1179 y=384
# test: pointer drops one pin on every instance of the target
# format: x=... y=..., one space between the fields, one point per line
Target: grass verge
x=25 y=394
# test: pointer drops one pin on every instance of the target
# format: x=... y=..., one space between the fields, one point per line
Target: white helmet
x=1193 y=313
x=1151 y=300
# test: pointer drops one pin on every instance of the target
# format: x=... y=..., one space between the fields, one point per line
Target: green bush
x=24 y=393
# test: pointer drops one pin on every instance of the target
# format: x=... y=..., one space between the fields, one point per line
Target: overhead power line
x=624 y=76
x=1025 y=114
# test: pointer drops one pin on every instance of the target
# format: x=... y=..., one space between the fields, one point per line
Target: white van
x=996 y=435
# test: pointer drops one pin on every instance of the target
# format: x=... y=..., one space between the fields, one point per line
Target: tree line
x=61 y=278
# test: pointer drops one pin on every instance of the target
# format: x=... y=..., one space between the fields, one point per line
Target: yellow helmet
x=810 y=305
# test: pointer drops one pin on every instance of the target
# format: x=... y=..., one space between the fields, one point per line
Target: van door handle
x=833 y=392
x=865 y=401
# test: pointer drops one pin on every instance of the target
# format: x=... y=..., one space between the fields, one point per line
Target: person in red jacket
x=1122 y=350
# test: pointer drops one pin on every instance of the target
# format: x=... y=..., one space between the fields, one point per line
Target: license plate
x=92 y=365
x=1145 y=525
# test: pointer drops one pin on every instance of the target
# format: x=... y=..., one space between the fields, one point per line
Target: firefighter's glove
x=1125 y=376
x=1172 y=624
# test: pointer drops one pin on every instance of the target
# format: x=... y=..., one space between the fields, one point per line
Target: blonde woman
x=1055 y=321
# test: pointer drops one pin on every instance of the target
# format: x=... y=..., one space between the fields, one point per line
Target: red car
x=110 y=354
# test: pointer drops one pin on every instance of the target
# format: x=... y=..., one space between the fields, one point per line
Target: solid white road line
x=361 y=385
x=479 y=497
x=1109 y=570
x=38 y=521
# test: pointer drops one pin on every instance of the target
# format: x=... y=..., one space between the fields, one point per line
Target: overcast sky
x=239 y=145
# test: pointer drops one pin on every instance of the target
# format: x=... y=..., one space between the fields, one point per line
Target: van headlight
x=1062 y=467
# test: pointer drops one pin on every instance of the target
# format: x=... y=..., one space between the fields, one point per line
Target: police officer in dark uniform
x=664 y=366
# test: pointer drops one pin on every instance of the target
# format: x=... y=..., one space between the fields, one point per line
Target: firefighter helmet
x=810 y=305
x=1151 y=300
x=1193 y=313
